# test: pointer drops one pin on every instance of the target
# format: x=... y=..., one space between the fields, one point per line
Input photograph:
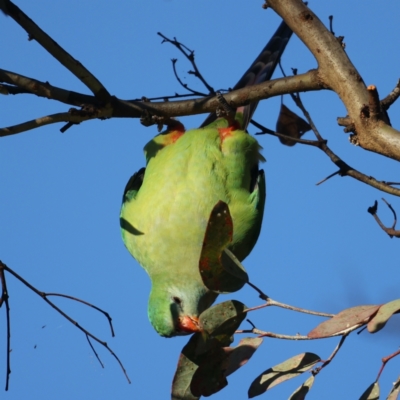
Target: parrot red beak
x=188 y=324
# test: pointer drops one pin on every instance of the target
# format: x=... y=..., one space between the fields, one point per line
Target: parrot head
x=174 y=310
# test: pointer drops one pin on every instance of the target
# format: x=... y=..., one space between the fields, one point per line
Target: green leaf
x=343 y=321
x=282 y=372
x=223 y=318
x=301 y=392
x=394 y=393
x=217 y=237
x=372 y=392
x=383 y=315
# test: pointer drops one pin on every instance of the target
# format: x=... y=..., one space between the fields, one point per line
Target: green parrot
x=166 y=206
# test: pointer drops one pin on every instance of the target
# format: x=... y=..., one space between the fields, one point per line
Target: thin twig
x=392 y=232
x=328 y=177
x=105 y=313
x=345 y=169
x=302 y=310
x=4 y=299
x=271 y=302
x=325 y=363
x=261 y=333
x=94 y=351
x=74 y=116
x=184 y=85
x=393 y=211
x=385 y=360
x=66 y=316
x=299 y=104
x=267 y=131
x=391 y=97
x=331 y=25
x=166 y=98
x=189 y=54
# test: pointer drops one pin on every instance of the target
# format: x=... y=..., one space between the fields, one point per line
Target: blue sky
x=61 y=193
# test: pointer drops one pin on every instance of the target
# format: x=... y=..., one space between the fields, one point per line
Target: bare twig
x=347 y=170
x=270 y=302
x=392 y=232
x=391 y=97
x=331 y=25
x=267 y=131
x=75 y=118
x=385 y=360
x=325 y=363
x=184 y=85
x=94 y=351
x=56 y=51
x=328 y=177
x=261 y=333
x=302 y=310
x=344 y=168
x=105 y=313
x=4 y=299
x=189 y=54
x=44 y=296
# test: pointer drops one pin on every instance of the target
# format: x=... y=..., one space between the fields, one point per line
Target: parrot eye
x=177 y=300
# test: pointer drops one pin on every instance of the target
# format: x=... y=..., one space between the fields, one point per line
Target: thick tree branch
x=44 y=89
x=56 y=50
x=336 y=71
x=299 y=83
x=135 y=109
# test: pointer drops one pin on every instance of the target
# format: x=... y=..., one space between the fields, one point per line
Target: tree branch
x=73 y=116
x=336 y=71
x=44 y=296
x=135 y=109
x=74 y=66
x=44 y=89
x=392 y=232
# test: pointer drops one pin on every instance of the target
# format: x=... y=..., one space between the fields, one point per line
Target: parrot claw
x=172 y=124
x=226 y=110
